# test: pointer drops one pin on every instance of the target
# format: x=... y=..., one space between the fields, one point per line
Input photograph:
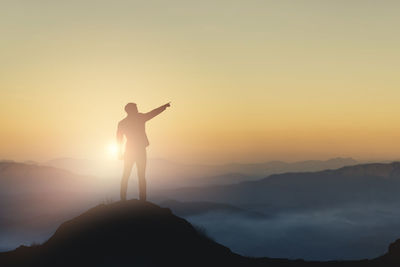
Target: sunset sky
x=249 y=81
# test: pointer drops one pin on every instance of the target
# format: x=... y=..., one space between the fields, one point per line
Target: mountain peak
x=123 y=233
x=137 y=233
x=372 y=169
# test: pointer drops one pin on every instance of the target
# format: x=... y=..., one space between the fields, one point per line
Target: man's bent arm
x=120 y=138
x=155 y=112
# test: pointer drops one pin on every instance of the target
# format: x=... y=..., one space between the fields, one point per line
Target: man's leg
x=125 y=177
x=141 y=169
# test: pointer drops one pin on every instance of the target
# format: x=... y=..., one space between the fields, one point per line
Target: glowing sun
x=112 y=149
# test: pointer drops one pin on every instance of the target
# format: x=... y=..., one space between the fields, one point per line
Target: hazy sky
x=248 y=80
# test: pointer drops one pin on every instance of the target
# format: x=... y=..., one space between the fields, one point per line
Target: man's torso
x=134 y=129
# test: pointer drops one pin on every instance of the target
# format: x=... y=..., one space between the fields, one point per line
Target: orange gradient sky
x=249 y=81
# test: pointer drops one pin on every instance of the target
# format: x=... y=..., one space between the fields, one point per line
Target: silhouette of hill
x=135 y=233
x=121 y=234
x=367 y=183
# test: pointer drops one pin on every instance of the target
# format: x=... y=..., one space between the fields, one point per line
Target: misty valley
x=315 y=210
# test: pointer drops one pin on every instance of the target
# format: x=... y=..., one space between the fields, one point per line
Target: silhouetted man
x=133 y=128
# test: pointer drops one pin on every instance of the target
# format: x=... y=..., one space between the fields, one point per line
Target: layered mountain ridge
x=136 y=233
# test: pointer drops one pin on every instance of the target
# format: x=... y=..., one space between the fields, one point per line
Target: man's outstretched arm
x=155 y=112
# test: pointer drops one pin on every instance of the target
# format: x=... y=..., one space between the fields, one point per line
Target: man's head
x=131 y=109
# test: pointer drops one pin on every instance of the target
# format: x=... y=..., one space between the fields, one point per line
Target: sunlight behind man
x=112 y=150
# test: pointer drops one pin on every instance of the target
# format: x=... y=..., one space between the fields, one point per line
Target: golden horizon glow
x=248 y=81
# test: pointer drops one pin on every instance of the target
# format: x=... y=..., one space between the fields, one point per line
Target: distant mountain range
x=135 y=233
x=35 y=199
x=15 y=176
x=163 y=173
x=367 y=183
x=43 y=186
x=22 y=179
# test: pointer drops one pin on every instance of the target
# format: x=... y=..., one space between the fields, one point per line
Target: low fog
x=347 y=233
